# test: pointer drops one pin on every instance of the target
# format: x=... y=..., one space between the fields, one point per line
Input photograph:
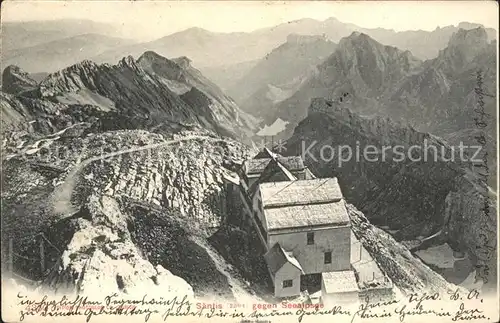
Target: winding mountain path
x=61 y=198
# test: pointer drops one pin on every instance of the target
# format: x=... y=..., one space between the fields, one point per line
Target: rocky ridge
x=141 y=94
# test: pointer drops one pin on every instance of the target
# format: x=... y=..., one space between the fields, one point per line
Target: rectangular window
x=287 y=283
x=328 y=257
x=310 y=238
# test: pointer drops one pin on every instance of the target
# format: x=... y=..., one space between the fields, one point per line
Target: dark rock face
x=418 y=197
x=17 y=81
x=32 y=115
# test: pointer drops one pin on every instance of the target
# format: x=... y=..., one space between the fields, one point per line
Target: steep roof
x=277 y=257
x=257 y=166
x=265 y=153
x=300 y=192
x=274 y=172
x=339 y=282
x=295 y=216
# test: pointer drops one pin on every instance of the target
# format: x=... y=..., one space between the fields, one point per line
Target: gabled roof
x=265 y=153
x=258 y=165
x=296 y=216
x=274 y=172
x=277 y=257
x=300 y=192
x=339 y=282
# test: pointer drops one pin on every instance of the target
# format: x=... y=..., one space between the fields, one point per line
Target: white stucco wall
x=311 y=257
x=288 y=271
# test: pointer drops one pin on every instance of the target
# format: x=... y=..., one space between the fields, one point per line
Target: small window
x=287 y=283
x=310 y=238
x=328 y=257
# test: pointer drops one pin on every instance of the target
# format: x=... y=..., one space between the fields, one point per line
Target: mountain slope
x=268 y=82
x=152 y=90
x=361 y=72
x=427 y=193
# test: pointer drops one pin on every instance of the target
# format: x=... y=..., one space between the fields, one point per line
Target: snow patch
x=272 y=130
x=440 y=256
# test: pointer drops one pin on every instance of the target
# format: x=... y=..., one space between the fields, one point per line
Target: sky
x=154 y=19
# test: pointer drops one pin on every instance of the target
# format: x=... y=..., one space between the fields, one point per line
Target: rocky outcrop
x=31 y=115
x=415 y=192
x=101 y=257
x=463 y=47
x=186 y=177
x=408 y=273
x=17 y=81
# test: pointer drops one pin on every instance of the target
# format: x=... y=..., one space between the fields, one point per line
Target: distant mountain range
x=60 y=53
x=205 y=48
x=17 y=35
x=151 y=91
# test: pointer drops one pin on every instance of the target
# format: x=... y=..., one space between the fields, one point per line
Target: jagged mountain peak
x=85 y=65
x=359 y=50
x=476 y=36
x=468 y=25
x=15 y=80
x=357 y=37
x=358 y=42
x=463 y=46
x=127 y=61
x=151 y=55
x=150 y=58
